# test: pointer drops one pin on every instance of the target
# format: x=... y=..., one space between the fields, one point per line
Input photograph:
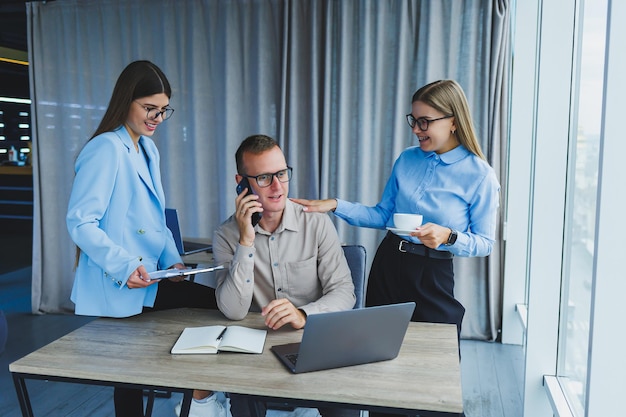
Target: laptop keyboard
x=293 y=357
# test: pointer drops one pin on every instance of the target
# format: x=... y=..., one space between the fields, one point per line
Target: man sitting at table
x=287 y=266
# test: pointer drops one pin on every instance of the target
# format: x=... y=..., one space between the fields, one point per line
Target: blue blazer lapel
x=153 y=183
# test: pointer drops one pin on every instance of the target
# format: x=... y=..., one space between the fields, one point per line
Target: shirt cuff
x=341 y=206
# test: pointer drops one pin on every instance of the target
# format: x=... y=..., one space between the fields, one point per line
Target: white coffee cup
x=407 y=221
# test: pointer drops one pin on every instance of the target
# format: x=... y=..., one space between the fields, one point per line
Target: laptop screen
x=184 y=247
x=171 y=219
x=351 y=337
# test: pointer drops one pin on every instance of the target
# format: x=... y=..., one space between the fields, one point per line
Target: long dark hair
x=139 y=79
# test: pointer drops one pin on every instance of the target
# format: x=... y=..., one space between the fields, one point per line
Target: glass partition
x=581 y=207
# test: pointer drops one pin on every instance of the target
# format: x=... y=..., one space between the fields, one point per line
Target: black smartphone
x=244 y=183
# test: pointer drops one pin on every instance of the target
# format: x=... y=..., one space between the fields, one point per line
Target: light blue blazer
x=116 y=216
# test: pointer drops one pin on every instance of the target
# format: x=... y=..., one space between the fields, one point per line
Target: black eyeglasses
x=153 y=112
x=422 y=122
x=265 y=180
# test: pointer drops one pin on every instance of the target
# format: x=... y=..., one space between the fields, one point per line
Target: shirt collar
x=289 y=220
x=452 y=156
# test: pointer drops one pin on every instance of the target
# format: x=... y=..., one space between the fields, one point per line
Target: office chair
x=356 y=257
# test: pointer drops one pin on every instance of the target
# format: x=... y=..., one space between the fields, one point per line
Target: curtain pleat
x=330 y=80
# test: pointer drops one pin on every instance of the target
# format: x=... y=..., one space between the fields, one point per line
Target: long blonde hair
x=448 y=97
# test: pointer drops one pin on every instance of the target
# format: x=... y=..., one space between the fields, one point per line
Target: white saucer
x=400 y=232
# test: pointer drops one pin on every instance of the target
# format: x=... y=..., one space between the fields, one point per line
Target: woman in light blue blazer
x=116 y=214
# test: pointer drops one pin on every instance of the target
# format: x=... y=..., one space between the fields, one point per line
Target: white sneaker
x=216 y=405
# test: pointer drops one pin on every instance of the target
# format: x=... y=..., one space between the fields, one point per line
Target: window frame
x=549 y=77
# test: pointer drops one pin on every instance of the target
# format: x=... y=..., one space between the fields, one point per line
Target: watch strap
x=452 y=238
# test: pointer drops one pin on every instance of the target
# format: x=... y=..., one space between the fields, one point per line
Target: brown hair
x=254 y=144
x=139 y=79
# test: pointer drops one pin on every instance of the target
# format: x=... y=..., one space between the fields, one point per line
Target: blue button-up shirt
x=456 y=189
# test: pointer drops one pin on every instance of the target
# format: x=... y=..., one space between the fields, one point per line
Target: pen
x=222 y=334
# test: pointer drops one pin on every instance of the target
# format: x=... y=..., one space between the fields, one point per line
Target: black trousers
x=128 y=401
x=398 y=276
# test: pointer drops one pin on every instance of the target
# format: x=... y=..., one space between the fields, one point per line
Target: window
x=580 y=216
x=15 y=130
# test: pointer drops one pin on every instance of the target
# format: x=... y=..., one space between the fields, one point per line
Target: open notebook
x=214 y=339
x=345 y=338
x=184 y=247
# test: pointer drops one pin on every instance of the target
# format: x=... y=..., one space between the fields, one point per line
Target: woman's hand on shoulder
x=316 y=206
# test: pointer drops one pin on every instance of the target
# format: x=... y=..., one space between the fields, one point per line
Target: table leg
x=150 y=403
x=257 y=407
x=22 y=395
x=186 y=405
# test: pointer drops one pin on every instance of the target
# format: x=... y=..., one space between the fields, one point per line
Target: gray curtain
x=331 y=80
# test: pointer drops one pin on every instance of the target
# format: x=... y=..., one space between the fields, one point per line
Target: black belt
x=415 y=249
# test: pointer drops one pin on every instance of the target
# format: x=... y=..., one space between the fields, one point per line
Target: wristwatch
x=451 y=238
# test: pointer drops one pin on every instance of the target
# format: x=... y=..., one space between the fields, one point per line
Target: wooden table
x=424 y=379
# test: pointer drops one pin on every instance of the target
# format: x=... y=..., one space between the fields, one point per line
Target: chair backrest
x=356 y=256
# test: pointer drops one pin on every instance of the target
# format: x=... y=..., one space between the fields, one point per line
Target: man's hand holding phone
x=248 y=212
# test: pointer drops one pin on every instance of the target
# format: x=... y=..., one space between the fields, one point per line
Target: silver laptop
x=345 y=338
x=184 y=246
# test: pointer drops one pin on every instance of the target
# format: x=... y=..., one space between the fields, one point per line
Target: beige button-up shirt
x=302 y=261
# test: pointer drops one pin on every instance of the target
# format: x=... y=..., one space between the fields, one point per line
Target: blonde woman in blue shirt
x=447 y=180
